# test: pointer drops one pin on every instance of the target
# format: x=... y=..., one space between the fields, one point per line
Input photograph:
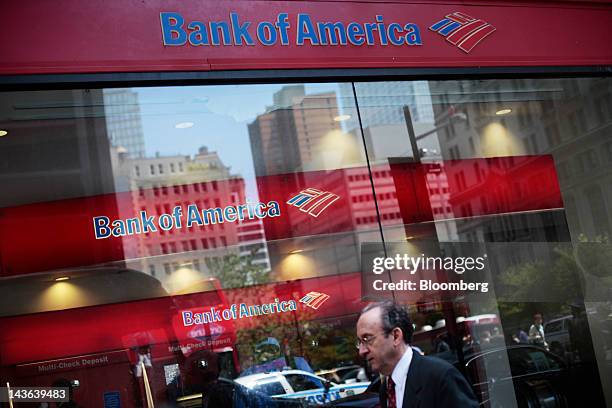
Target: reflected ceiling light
x=503 y=111
x=3 y=133
x=182 y=278
x=62 y=278
x=342 y=118
x=296 y=266
x=184 y=125
x=296 y=251
x=409 y=237
x=61 y=295
x=498 y=140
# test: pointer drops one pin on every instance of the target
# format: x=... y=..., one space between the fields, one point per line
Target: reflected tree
x=235 y=271
x=580 y=272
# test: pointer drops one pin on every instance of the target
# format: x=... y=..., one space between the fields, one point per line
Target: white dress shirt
x=399 y=374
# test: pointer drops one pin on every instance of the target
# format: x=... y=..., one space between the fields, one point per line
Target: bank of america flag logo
x=463 y=31
x=314 y=299
x=313 y=201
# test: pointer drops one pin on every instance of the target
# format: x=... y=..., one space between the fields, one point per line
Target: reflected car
x=521 y=375
x=302 y=385
x=537 y=378
x=527 y=374
x=356 y=375
x=230 y=394
x=336 y=374
x=367 y=399
x=557 y=334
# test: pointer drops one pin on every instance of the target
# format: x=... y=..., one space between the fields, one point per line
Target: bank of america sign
x=314 y=299
x=312 y=201
x=463 y=31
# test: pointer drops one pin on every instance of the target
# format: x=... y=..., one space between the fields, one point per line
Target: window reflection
x=521 y=160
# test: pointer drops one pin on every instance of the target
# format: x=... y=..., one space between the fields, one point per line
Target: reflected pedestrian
x=523 y=337
x=440 y=344
x=215 y=391
x=536 y=332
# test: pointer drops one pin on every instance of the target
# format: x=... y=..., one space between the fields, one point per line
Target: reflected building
x=568 y=119
x=57 y=147
x=385 y=102
x=294 y=133
x=300 y=137
x=56 y=150
x=158 y=184
x=123 y=121
x=252 y=243
x=385 y=110
x=292 y=137
x=383 y=117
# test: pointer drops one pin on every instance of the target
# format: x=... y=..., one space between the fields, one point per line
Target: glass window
x=173 y=205
x=491 y=365
x=528 y=361
x=300 y=382
x=478 y=136
x=554 y=326
x=270 y=388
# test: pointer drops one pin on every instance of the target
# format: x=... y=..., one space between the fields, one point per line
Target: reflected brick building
x=158 y=184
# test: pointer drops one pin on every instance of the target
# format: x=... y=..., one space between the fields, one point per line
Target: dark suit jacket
x=433 y=383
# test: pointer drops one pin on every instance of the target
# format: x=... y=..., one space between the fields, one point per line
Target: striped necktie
x=391 y=403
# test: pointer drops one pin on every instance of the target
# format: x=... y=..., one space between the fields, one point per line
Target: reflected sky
x=220 y=115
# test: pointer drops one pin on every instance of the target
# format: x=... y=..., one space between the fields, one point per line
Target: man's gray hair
x=393 y=315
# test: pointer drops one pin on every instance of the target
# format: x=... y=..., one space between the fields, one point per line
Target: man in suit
x=384 y=332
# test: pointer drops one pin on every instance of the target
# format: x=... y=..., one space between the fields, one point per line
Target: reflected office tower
x=385 y=101
x=177 y=257
x=460 y=140
x=294 y=133
x=123 y=121
x=382 y=108
x=273 y=135
x=297 y=134
x=290 y=137
x=295 y=137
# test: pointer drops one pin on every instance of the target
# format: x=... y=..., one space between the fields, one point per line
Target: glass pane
x=270 y=388
x=182 y=235
x=303 y=383
x=497 y=162
x=166 y=242
x=524 y=361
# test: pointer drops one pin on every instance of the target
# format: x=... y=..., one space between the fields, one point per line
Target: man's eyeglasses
x=365 y=340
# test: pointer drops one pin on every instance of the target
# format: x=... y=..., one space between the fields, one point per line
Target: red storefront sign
x=71 y=36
